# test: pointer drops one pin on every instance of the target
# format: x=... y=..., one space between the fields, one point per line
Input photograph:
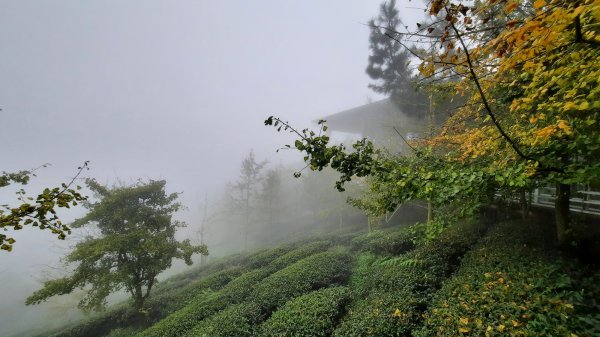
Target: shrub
x=266 y=256
x=391 y=293
x=236 y=291
x=235 y=321
x=420 y=270
x=299 y=253
x=314 y=314
x=179 y=322
x=390 y=242
x=504 y=287
x=165 y=303
x=123 y=332
x=159 y=306
x=320 y=270
x=382 y=313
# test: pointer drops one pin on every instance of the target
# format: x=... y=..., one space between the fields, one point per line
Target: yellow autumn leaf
x=569 y=105
x=501 y=327
x=533 y=119
x=464 y=320
x=583 y=106
x=397 y=313
x=545 y=132
x=516 y=323
x=564 y=125
x=511 y=7
x=578 y=10
x=538 y=4
x=463 y=330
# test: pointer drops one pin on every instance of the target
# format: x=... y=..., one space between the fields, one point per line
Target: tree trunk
x=524 y=204
x=561 y=209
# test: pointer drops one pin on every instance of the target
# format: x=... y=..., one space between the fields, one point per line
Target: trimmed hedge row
x=390 y=295
x=266 y=256
x=317 y=271
x=504 y=287
x=314 y=314
x=382 y=313
x=236 y=321
x=163 y=304
x=234 y=292
x=390 y=242
x=159 y=306
x=179 y=322
x=313 y=272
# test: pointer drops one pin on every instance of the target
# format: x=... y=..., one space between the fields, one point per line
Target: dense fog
x=174 y=91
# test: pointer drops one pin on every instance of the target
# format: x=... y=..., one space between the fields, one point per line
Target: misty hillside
x=500 y=278
x=340 y=168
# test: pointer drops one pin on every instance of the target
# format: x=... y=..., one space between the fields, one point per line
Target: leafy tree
x=388 y=62
x=39 y=212
x=136 y=243
x=532 y=79
x=535 y=84
x=271 y=194
x=245 y=189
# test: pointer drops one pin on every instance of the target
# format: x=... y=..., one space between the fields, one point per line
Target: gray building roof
x=380 y=121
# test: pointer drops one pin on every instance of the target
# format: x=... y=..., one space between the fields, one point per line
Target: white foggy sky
x=174 y=90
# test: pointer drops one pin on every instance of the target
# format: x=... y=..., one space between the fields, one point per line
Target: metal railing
x=582 y=201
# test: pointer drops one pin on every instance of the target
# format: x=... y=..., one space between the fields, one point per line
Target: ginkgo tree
x=41 y=211
x=531 y=76
x=534 y=95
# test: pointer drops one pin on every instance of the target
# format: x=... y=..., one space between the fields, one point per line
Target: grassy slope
x=504 y=281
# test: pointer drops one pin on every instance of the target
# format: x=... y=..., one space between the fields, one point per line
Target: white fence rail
x=583 y=201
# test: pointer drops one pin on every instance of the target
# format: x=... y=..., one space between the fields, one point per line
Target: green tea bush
x=317 y=271
x=266 y=256
x=504 y=288
x=390 y=242
x=393 y=243
x=181 y=321
x=299 y=253
x=236 y=291
x=391 y=294
x=198 y=272
x=382 y=313
x=314 y=314
x=235 y=321
x=159 y=305
x=165 y=303
x=363 y=274
x=419 y=270
x=123 y=332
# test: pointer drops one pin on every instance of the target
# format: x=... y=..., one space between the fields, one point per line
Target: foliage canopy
x=530 y=72
x=39 y=212
x=136 y=242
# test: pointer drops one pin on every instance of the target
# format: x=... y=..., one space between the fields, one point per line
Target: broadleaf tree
x=531 y=77
x=136 y=242
x=41 y=211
